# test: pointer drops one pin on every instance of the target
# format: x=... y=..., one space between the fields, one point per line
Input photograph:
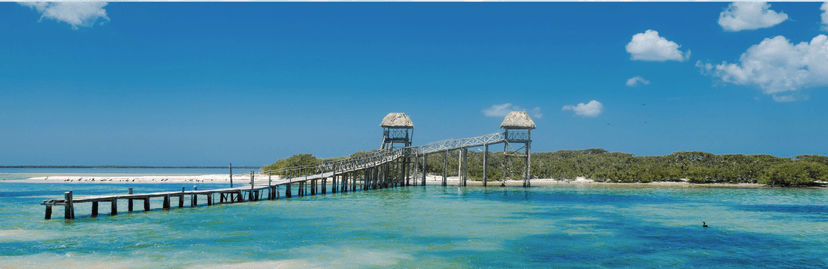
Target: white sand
x=219 y=178
x=262 y=178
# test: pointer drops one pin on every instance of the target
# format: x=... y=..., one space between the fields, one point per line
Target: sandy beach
x=215 y=178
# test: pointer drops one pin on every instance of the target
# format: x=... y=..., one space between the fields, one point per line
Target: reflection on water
x=560 y=226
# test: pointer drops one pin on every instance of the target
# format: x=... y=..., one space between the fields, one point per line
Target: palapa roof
x=396 y=120
x=517 y=120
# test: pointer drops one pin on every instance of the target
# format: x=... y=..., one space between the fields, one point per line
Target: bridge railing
x=381 y=156
x=461 y=143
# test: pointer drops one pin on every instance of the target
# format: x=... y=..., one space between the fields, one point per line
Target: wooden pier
x=387 y=167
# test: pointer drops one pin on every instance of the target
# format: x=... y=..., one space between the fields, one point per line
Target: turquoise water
x=559 y=226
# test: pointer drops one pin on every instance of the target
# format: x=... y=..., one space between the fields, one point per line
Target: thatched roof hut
x=396 y=120
x=517 y=120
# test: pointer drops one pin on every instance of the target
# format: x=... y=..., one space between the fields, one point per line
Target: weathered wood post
x=210 y=199
x=375 y=177
x=445 y=168
x=129 y=203
x=269 y=187
x=252 y=184
x=526 y=175
x=460 y=167
x=290 y=182
x=505 y=162
x=325 y=185
x=334 y=183
x=194 y=200
x=69 y=208
x=485 y=163
x=407 y=169
x=94 y=209
x=48 y=212
x=147 y=203
x=345 y=178
x=388 y=178
x=302 y=188
x=181 y=198
x=425 y=169
x=231 y=175
x=166 y=205
x=114 y=205
x=416 y=164
x=366 y=177
x=465 y=166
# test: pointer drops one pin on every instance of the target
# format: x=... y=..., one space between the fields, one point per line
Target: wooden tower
x=396 y=129
x=517 y=128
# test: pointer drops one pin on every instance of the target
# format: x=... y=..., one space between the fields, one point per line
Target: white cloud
x=591 y=109
x=648 y=46
x=635 y=81
x=824 y=9
x=778 y=67
x=536 y=112
x=74 y=13
x=504 y=109
x=740 y=16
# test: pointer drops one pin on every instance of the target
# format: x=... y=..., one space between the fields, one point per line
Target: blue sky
x=249 y=83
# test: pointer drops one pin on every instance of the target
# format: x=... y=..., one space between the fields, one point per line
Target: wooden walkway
x=371 y=178
x=385 y=168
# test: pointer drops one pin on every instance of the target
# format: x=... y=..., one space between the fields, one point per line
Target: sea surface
x=564 y=226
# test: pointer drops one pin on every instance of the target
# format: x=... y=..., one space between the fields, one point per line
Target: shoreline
x=430 y=180
x=147 y=179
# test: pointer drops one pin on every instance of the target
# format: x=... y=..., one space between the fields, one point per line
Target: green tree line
x=604 y=166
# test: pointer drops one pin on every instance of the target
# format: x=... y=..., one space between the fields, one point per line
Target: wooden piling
x=129 y=207
x=459 y=167
x=114 y=204
x=181 y=199
x=48 y=212
x=166 y=205
x=345 y=179
x=194 y=198
x=445 y=168
x=209 y=199
x=465 y=166
x=147 y=204
x=68 y=209
x=425 y=168
x=485 y=162
x=526 y=173
x=252 y=186
x=416 y=164
x=94 y=209
x=505 y=161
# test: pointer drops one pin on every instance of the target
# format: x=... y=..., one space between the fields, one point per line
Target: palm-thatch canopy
x=396 y=120
x=517 y=120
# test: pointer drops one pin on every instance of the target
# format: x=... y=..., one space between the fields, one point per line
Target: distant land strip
x=125 y=166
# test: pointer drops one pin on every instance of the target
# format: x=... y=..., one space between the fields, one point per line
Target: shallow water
x=559 y=226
